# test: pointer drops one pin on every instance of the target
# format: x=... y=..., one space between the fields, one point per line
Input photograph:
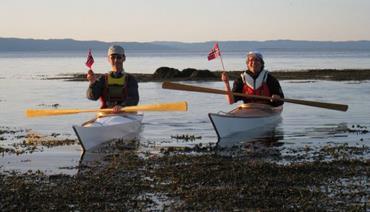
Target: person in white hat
x=117 y=88
x=254 y=81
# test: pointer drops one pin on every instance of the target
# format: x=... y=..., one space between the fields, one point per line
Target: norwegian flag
x=214 y=53
x=90 y=60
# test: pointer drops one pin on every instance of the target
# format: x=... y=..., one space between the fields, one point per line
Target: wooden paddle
x=171 y=106
x=183 y=87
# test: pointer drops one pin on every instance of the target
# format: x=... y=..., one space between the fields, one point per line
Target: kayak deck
x=245 y=118
x=104 y=129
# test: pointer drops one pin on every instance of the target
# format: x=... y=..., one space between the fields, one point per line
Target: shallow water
x=22 y=88
x=301 y=125
x=38 y=64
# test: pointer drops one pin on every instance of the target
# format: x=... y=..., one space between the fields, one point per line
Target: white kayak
x=103 y=129
x=247 y=118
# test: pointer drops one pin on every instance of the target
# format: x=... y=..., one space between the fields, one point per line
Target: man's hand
x=91 y=76
x=275 y=98
x=117 y=109
x=224 y=77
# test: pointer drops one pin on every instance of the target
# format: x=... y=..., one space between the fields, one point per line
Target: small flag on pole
x=90 y=60
x=214 y=53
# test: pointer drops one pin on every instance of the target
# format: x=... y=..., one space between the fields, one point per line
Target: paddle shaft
x=183 y=87
x=172 y=106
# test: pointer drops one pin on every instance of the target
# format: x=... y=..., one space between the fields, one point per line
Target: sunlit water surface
x=21 y=88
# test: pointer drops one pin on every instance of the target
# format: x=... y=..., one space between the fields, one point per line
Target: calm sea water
x=22 y=87
x=36 y=64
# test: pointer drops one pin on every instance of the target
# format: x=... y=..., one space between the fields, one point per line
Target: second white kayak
x=246 y=117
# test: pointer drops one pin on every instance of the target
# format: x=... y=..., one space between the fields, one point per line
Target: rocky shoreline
x=191 y=74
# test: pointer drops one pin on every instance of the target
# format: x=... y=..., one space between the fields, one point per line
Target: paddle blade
x=30 y=113
x=174 y=106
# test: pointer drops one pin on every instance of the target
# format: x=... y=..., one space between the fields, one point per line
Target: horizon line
x=186 y=42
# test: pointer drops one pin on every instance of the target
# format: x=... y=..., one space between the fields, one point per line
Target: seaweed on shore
x=55 y=105
x=186 y=137
x=21 y=141
x=209 y=181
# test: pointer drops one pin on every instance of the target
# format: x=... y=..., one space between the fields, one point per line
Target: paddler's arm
x=276 y=91
x=96 y=87
x=238 y=88
x=225 y=79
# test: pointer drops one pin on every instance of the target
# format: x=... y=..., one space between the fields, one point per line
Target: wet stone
x=192 y=74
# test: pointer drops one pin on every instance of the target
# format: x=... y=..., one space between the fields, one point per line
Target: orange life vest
x=256 y=86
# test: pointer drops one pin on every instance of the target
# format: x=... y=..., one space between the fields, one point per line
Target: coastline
x=191 y=74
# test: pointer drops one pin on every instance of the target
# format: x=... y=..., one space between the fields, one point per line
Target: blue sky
x=186 y=20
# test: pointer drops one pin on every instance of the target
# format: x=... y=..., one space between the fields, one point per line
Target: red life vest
x=256 y=86
x=115 y=91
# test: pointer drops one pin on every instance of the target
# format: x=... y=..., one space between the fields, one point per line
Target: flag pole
x=222 y=63
x=229 y=97
x=90 y=60
x=214 y=53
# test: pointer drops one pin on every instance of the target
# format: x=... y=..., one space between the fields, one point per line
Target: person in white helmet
x=255 y=81
x=117 y=88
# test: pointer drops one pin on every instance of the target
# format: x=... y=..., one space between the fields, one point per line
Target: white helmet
x=256 y=55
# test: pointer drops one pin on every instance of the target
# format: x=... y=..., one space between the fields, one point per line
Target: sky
x=186 y=20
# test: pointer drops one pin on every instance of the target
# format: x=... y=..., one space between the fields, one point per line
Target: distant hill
x=16 y=44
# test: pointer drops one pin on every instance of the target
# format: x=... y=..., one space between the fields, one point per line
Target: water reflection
x=263 y=141
x=268 y=132
x=106 y=155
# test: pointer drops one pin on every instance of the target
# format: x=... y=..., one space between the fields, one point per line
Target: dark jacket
x=96 y=90
x=272 y=83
